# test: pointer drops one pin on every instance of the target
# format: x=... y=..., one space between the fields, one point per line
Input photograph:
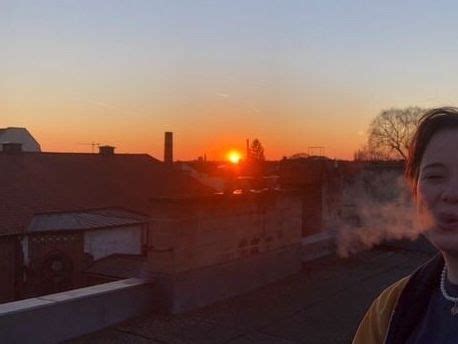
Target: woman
x=423 y=307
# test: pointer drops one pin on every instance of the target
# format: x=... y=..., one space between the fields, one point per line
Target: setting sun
x=234 y=157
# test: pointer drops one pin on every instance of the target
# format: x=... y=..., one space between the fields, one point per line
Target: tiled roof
x=88 y=219
x=34 y=183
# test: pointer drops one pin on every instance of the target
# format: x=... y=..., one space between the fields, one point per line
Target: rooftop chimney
x=106 y=150
x=12 y=147
x=168 y=148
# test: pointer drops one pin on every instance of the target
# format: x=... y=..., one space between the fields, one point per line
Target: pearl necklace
x=454 y=309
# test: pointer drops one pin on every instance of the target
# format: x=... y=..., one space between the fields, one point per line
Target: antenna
x=92 y=144
x=312 y=150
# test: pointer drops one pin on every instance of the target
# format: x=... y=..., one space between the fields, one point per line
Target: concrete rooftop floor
x=322 y=304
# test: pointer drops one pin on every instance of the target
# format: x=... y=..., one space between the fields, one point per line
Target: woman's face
x=437 y=191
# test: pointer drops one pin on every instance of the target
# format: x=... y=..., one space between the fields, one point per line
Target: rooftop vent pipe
x=106 y=150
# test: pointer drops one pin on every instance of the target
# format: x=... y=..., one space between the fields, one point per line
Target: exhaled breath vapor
x=376 y=207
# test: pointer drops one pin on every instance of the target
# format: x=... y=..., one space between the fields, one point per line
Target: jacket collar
x=414 y=300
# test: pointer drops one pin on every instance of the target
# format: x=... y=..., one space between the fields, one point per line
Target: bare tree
x=391 y=131
x=257 y=151
x=367 y=154
x=256 y=163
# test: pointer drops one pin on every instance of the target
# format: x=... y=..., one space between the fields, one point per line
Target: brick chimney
x=12 y=147
x=106 y=150
x=168 y=148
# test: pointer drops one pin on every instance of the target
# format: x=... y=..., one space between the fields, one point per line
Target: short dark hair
x=430 y=123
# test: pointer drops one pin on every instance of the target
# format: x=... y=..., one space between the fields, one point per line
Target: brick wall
x=210 y=232
x=10 y=268
x=55 y=262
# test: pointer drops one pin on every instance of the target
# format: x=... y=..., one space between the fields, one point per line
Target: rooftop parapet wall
x=58 y=317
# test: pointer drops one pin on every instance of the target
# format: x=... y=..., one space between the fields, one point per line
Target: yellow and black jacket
x=398 y=309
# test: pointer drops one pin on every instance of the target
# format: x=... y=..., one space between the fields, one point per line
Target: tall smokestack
x=168 y=148
x=247 y=149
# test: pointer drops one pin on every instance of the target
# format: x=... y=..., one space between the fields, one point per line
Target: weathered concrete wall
x=196 y=246
x=370 y=187
x=104 y=242
x=190 y=289
x=58 y=317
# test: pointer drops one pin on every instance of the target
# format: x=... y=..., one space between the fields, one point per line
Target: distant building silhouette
x=13 y=135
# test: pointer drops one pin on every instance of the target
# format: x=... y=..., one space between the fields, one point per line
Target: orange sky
x=212 y=125
x=292 y=75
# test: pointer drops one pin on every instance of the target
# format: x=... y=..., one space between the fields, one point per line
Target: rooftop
x=322 y=304
x=118 y=266
x=37 y=183
x=88 y=219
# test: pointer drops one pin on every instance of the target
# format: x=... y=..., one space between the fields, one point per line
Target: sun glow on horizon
x=234 y=157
